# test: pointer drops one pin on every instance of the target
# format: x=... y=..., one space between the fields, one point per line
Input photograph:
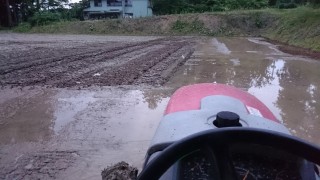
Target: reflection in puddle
x=269 y=92
x=235 y=62
x=51 y=113
x=269 y=45
x=220 y=47
x=67 y=108
x=252 y=51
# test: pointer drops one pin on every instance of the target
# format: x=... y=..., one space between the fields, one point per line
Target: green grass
x=298 y=27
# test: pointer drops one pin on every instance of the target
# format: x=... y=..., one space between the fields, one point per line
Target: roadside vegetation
x=294 y=22
x=299 y=27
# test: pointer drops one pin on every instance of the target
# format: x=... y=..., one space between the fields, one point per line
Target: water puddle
x=68 y=105
x=46 y=113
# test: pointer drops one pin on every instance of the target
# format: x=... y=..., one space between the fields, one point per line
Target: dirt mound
x=120 y=171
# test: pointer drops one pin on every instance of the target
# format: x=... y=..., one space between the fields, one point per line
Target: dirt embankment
x=221 y=24
x=104 y=64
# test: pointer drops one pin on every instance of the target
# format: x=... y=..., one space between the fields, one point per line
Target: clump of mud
x=120 y=171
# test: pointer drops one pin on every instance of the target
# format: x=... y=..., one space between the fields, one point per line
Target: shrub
x=44 y=18
x=22 y=27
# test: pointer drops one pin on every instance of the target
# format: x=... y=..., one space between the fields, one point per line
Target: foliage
x=192 y=6
x=23 y=27
x=39 y=12
x=185 y=27
x=162 y=7
x=299 y=27
x=44 y=18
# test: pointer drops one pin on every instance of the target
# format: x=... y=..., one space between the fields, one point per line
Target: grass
x=299 y=27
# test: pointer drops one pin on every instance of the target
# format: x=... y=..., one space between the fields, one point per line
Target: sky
x=73 y=1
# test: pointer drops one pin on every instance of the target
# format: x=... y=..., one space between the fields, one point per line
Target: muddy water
x=98 y=126
x=85 y=130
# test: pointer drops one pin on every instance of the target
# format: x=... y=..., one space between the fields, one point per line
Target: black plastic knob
x=227 y=119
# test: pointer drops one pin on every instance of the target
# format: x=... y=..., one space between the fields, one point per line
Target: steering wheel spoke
x=223 y=160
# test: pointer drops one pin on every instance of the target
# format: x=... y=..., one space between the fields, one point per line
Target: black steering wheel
x=216 y=141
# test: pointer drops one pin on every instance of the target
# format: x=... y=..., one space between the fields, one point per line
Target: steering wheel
x=217 y=142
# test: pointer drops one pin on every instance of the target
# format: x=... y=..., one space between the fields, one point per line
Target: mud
x=104 y=63
x=120 y=171
x=295 y=50
x=59 y=128
x=40 y=165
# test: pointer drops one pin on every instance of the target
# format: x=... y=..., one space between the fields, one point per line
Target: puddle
x=44 y=114
x=106 y=124
x=68 y=105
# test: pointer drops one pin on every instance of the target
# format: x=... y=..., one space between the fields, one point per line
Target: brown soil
x=290 y=49
x=39 y=165
x=120 y=171
x=104 y=63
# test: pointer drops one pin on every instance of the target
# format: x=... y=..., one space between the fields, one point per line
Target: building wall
x=104 y=7
x=139 y=8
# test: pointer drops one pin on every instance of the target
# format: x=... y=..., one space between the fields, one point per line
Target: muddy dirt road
x=72 y=105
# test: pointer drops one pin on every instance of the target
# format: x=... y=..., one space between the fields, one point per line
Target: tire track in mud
x=69 y=57
x=40 y=74
x=56 y=72
x=127 y=73
x=60 y=59
x=161 y=72
x=120 y=64
x=71 y=76
x=39 y=53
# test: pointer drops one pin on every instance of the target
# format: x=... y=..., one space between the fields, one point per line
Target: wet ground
x=53 y=126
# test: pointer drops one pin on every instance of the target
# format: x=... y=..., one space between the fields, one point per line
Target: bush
x=287 y=6
x=44 y=18
x=189 y=27
x=22 y=27
x=193 y=6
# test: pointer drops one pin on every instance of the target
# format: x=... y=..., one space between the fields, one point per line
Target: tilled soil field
x=104 y=63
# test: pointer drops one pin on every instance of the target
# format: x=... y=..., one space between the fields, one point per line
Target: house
x=118 y=8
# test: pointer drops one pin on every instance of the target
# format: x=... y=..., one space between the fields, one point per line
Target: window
x=128 y=2
x=97 y=3
x=114 y=2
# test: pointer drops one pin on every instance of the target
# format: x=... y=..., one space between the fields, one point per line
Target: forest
x=42 y=12
x=198 y=6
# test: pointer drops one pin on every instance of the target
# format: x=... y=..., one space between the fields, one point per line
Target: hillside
x=299 y=27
